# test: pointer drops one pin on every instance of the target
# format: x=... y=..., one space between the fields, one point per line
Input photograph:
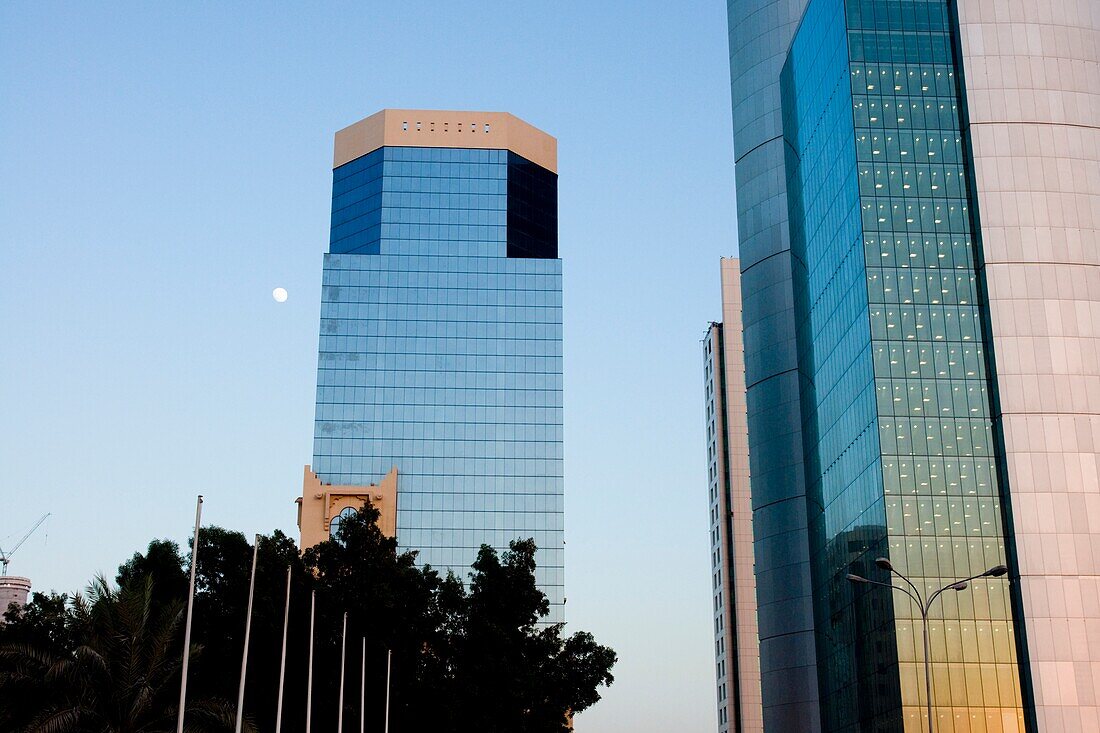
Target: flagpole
x=187 y=626
x=343 y=646
x=363 y=687
x=309 y=674
x=282 y=656
x=389 y=655
x=247 y=630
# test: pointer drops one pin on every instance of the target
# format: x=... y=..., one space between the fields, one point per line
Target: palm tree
x=121 y=676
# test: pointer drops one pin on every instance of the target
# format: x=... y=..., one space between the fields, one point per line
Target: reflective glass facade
x=896 y=401
x=760 y=33
x=441 y=353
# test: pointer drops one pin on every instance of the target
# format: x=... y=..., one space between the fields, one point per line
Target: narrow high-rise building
x=918 y=198
x=760 y=33
x=441 y=331
x=733 y=584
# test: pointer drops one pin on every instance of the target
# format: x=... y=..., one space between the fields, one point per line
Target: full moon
x=279 y=294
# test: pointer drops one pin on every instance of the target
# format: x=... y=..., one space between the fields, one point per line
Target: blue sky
x=162 y=168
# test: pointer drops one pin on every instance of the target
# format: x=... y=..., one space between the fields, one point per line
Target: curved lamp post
x=994 y=572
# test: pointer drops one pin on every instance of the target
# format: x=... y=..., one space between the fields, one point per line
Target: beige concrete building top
x=321 y=502
x=442 y=129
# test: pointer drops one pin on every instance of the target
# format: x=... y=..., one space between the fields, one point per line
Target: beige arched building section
x=321 y=502
x=1032 y=80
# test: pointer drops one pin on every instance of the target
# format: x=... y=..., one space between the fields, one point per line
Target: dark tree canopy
x=117 y=672
x=465 y=657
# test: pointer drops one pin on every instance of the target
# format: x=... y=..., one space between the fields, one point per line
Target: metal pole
x=959 y=585
x=187 y=626
x=363 y=688
x=927 y=667
x=389 y=656
x=282 y=657
x=343 y=646
x=309 y=675
x=247 y=631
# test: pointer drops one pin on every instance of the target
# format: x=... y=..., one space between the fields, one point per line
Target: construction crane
x=5 y=557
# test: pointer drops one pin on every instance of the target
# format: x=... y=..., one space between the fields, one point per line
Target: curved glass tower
x=918 y=184
x=760 y=33
x=896 y=391
x=440 y=347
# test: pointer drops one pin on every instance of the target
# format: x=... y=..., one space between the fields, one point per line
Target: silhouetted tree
x=510 y=673
x=464 y=660
x=120 y=676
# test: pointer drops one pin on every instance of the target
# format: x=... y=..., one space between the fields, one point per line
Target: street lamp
x=994 y=572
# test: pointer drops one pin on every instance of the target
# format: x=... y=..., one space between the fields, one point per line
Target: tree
x=221 y=603
x=162 y=563
x=391 y=603
x=42 y=625
x=121 y=676
x=41 y=622
x=478 y=659
x=510 y=674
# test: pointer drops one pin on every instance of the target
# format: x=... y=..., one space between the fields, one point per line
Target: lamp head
x=996 y=571
x=961 y=585
x=883 y=563
x=852 y=577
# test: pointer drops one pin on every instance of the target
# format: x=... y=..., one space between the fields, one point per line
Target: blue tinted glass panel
x=442 y=356
x=901 y=460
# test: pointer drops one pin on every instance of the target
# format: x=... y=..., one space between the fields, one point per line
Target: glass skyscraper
x=918 y=188
x=441 y=333
x=760 y=33
x=895 y=387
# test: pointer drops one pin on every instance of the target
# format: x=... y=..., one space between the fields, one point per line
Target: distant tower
x=13 y=589
x=736 y=632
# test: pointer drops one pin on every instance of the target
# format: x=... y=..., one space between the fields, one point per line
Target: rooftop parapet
x=443 y=129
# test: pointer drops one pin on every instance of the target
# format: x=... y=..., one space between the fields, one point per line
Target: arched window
x=335 y=523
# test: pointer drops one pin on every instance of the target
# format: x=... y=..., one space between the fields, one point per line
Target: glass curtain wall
x=441 y=353
x=900 y=450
